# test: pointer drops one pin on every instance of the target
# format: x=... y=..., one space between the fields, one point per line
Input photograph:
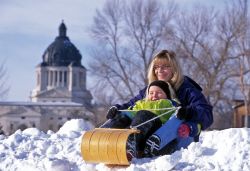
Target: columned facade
x=60 y=93
x=61 y=73
x=42 y=115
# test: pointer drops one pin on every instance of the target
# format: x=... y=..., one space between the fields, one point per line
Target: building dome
x=61 y=52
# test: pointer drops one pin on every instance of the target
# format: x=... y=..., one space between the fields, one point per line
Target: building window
x=38 y=79
x=65 y=77
x=11 y=127
x=81 y=79
x=59 y=126
x=243 y=121
x=50 y=127
x=22 y=127
x=60 y=76
x=51 y=78
x=69 y=78
x=47 y=78
x=74 y=80
x=56 y=76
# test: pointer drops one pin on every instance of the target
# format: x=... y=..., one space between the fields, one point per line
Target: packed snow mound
x=34 y=150
x=74 y=128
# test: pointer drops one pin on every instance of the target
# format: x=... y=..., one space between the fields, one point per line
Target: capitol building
x=60 y=93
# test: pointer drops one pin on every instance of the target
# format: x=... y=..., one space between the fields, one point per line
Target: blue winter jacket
x=190 y=96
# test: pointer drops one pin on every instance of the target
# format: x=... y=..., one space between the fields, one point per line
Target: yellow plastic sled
x=106 y=145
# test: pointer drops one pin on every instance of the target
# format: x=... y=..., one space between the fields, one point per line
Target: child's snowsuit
x=143 y=111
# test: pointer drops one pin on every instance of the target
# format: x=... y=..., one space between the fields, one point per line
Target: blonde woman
x=196 y=112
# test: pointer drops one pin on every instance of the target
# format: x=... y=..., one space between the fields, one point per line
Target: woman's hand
x=182 y=113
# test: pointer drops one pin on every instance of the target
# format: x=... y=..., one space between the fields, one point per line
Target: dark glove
x=182 y=113
x=112 y=112
x=183 y=130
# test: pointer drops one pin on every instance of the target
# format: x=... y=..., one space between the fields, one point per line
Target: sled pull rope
x=173 y=108
x=105 y=123
x=166 y=108
x=135 y=127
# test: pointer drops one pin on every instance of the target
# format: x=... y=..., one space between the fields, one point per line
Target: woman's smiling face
x=163 y=71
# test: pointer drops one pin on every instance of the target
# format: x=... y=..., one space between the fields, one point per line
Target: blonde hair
x=166 y=56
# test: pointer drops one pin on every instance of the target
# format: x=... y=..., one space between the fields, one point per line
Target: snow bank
x=35 y=150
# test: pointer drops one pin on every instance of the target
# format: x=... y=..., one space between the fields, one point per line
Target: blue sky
x=28 y=27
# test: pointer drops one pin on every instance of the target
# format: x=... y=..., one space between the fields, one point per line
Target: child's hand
x=112 y=112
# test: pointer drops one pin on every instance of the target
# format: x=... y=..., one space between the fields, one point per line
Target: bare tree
x=127 y=36
x=245 y=88
x=243 y=49
x=202 y=50
x=209 y=42
x=205 y=40
x=4 y=89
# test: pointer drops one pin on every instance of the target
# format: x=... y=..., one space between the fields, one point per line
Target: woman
x=195 y=111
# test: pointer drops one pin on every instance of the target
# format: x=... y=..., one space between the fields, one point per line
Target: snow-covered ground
x=34 y=150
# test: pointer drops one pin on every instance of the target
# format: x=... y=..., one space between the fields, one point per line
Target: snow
x=34 y=150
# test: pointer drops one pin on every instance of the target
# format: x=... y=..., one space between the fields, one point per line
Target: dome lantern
x=62 y=52
x=62 y=30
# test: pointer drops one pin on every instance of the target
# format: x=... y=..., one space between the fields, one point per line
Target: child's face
x=156 y=93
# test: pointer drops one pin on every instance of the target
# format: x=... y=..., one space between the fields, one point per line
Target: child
x=160 y=99
x=157 y=102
